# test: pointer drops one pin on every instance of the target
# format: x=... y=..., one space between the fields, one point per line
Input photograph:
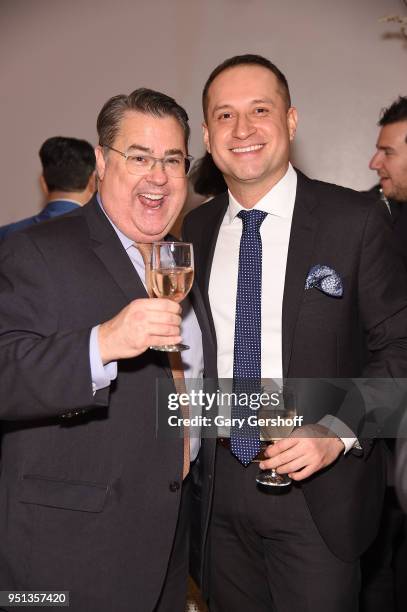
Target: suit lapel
x=208 y=341
x=108 y=248
x=207 y=248
x=299 y=260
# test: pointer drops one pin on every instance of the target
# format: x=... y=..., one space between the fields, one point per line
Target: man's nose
x=157 y=173
x=243 y=127
x=376 y=161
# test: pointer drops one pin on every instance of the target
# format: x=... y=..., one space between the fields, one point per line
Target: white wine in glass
x=172 y=275
x=173 y=283
x=278 y=424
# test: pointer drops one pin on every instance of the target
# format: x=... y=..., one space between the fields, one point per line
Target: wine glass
x=275 y=424
x=172 y=275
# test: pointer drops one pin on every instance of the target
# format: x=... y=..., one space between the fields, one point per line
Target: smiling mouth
x=149 y=199
x=249 y=149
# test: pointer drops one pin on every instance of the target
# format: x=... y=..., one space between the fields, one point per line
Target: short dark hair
x=206 y=178
x=142 y=100
x=67 y=163
x=241 y=60
x=395 y=112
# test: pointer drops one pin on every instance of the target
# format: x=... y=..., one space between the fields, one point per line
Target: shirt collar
x=64 y=200
x=279 y=201
x=125 y=240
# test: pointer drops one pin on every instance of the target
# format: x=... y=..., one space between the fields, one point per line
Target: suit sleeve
x=401 y=464
x=382 y=292
x=383 y=300
x=45 y=369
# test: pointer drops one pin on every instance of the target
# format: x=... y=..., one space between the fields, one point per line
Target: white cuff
x=344 y=433
x=102 y=375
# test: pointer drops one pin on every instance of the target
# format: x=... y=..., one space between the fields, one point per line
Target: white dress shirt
x=278 y=203
x=275 y=230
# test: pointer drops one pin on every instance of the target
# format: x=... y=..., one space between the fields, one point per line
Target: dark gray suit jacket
x=401 y=464
x=89 y=496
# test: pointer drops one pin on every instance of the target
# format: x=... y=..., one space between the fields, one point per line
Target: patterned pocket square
x=325 y=279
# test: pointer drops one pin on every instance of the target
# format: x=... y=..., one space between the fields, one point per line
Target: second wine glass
x=172 y=275
x=277 y=424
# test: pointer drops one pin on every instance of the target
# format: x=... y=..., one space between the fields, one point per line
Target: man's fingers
x=286 y=457
x=166 y=313
x=161 y=329
x=273 y=450
x=161 y=340
x=162 y=318
x=292 y=466
x=302 y=474
x=286 y=462
x=158 y=304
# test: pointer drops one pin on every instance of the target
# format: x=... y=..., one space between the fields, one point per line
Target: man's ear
x=100 y=162
x=205 y=133
x=43 y=185
x=292 y=120
x=91 y=186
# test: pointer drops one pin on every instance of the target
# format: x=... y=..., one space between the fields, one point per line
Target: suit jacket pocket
x=67 y=494
x=315 y=295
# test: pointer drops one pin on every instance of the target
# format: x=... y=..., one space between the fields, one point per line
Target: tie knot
x=252 y=219
x=145 y=249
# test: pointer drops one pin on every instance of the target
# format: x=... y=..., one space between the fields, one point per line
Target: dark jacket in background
x=53 y=209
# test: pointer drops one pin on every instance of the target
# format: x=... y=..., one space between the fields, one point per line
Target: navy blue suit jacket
x=53 y=209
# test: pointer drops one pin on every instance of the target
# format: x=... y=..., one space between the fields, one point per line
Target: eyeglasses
x=176 y=166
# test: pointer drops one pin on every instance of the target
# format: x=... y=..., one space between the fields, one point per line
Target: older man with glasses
x=91 y=501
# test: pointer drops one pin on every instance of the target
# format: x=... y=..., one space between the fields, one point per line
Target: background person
x=390 y=163
x=206 y=178
x=67 y=179
x=384 y=563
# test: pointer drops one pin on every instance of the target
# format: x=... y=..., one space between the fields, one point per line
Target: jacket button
x=174 y=486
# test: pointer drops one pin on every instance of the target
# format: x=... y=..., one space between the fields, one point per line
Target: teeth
x=152 y=196
x=247 y=149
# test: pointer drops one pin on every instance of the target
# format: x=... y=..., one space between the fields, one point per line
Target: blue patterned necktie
x=245 y=441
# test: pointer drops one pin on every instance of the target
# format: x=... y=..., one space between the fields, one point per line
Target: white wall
x=60 y=61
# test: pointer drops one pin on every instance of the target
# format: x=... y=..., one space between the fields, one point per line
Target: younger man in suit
x=297 y=550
